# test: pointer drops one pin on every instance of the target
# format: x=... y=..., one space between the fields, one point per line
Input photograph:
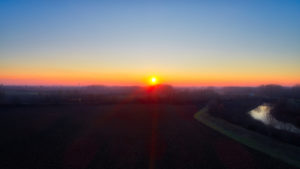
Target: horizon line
x=163 y=84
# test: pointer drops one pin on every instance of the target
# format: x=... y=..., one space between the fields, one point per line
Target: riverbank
x=284 y=152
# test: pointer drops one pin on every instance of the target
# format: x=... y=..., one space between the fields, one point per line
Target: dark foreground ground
x=143 y=136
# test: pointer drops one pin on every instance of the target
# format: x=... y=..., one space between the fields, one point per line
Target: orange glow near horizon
x=135 y=77
x=75 y=79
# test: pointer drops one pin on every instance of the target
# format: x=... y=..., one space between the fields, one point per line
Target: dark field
x=118 y=136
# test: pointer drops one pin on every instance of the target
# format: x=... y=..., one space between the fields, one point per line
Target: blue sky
x=153 y=37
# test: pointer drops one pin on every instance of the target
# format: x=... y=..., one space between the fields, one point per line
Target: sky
x=182 y=43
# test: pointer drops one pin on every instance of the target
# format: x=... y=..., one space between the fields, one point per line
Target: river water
x=262 y=114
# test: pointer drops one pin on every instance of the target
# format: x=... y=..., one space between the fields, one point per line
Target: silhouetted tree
x=1 y=93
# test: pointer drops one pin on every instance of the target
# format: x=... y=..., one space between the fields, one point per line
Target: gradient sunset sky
x=203 y=43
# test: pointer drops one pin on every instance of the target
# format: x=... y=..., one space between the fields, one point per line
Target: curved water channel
x=262 y=114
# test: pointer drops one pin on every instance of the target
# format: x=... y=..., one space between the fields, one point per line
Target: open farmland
x=118 y=136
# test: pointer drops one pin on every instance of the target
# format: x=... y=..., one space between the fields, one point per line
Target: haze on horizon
x=217 y=43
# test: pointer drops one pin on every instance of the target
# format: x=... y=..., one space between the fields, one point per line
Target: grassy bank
x=287 y=153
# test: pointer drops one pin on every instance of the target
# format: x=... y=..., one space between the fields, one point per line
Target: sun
x=153 y=80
